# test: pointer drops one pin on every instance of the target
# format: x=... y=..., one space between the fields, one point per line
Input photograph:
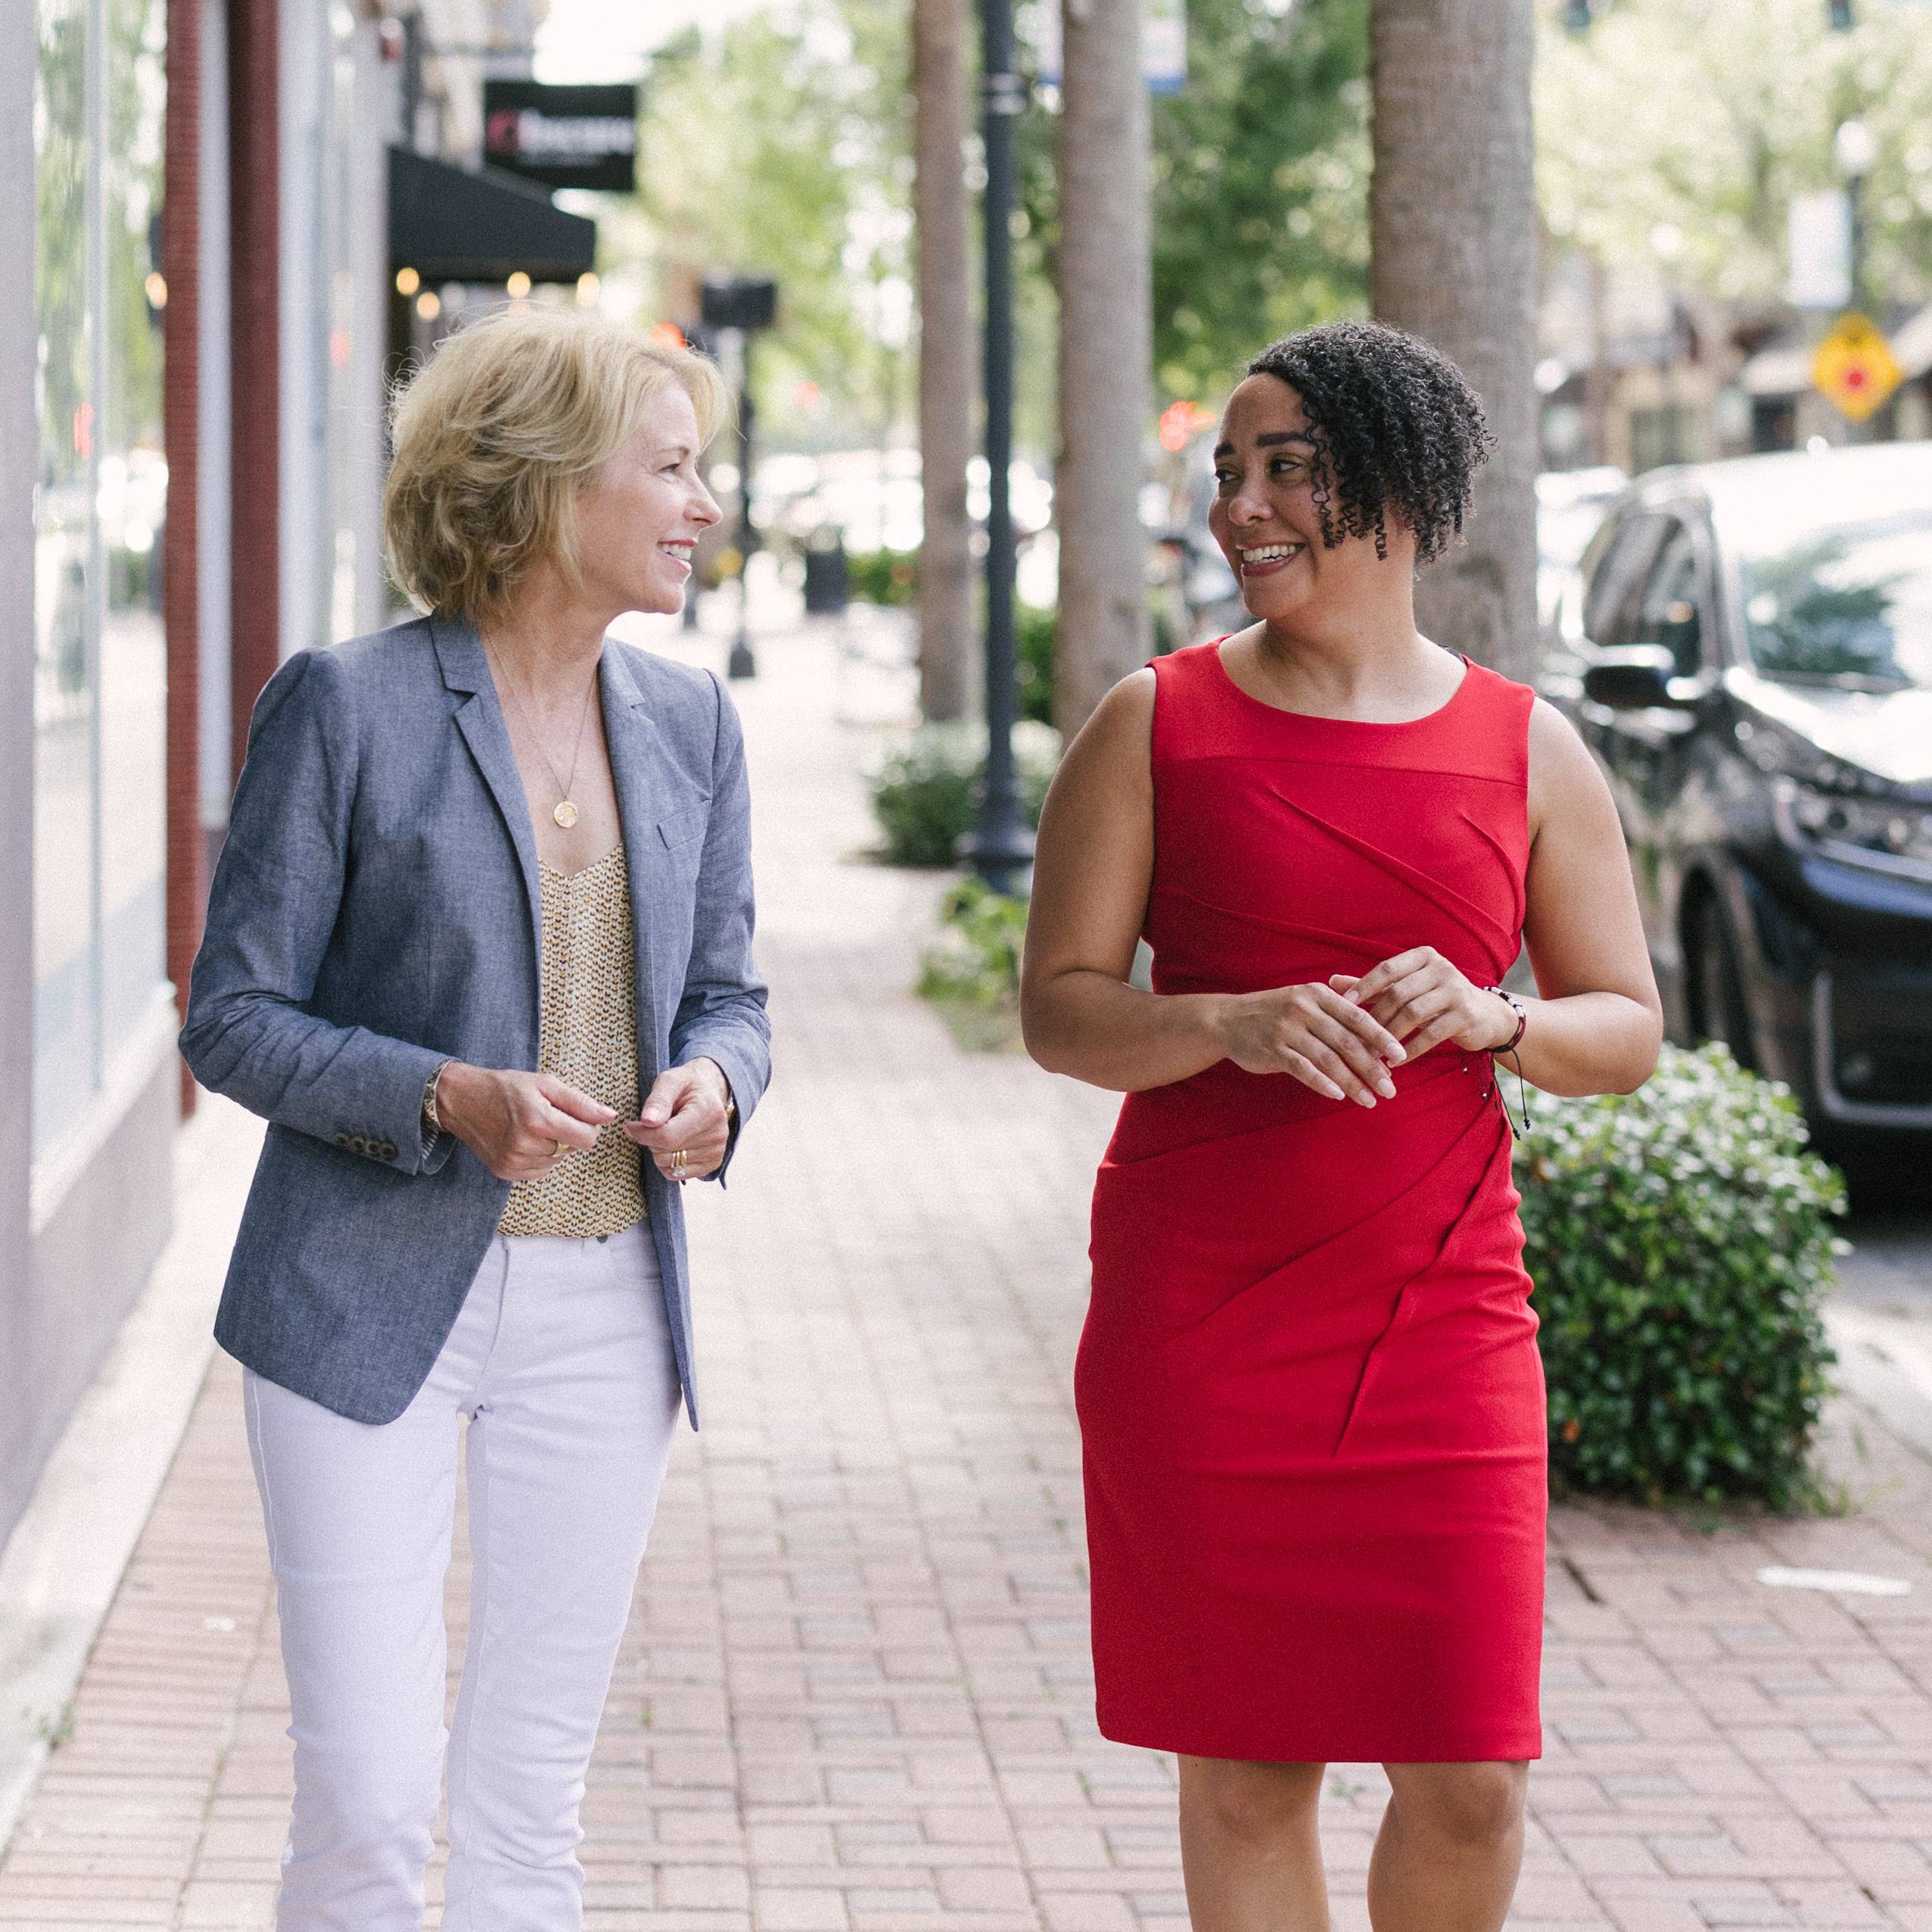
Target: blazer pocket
x=682 y=827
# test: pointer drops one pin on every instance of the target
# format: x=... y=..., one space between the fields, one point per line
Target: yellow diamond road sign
x=1854 y=367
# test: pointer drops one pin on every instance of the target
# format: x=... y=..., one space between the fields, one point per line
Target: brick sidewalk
x=855 y=1692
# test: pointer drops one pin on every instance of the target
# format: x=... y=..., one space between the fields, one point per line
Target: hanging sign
x=1163 y=45
x=1854 y=367
x=562 y=137
x=1818 y=230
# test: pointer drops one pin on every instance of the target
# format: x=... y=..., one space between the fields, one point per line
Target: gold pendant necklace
x=564 y=811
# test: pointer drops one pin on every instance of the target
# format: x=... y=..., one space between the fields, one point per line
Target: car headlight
x=1882 y=834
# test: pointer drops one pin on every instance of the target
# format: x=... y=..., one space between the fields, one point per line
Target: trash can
x=827 y=588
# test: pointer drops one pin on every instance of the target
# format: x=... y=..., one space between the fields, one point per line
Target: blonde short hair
x=497 y=434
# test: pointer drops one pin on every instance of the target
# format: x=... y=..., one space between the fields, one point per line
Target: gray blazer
x=376 y=911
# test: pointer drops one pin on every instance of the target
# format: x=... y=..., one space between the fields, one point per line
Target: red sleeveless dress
x=1311 y=1402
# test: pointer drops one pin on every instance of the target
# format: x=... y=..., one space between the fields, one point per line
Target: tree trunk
x=1106 y=301
x=1453 y=222
x=948 y=362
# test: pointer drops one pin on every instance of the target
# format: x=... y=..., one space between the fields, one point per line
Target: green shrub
x=1034 y=631
x=925 y=790
x=1680 y=1243
x=882 y=576
x=976 y=961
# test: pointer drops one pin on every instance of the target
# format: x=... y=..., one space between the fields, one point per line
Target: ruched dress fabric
x=1311 y=1401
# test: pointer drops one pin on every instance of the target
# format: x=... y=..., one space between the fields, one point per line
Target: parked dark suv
x=1747 y=649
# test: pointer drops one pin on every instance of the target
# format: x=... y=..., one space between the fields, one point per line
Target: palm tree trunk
x=1106 y=301
x=1452 y=216
x=948 y=361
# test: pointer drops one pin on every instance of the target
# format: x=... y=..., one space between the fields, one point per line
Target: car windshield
x=1848 y=606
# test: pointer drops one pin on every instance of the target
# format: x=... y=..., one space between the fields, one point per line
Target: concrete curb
x=63 y=1564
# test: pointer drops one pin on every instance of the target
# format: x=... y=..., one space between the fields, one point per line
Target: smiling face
x=639 y=518
x=1265 y=518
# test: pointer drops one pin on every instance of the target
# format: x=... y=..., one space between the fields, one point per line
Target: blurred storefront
x=192 y=379
x=1637 y=371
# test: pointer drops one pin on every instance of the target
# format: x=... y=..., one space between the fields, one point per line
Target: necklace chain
x=564 y=811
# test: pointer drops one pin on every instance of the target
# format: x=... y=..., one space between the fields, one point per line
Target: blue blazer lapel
x=637 y=756
x=466 y=670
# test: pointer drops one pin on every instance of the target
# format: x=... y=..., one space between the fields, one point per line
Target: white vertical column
x=306 y=544
x=361 y=402
x=213 y=536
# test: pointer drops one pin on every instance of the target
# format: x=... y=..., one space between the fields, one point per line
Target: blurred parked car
x=1748 y=651
x=1570 y=506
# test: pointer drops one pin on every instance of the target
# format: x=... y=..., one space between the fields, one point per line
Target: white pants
x=561 y=1360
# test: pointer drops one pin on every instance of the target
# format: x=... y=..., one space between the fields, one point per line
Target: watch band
x=430 y=1118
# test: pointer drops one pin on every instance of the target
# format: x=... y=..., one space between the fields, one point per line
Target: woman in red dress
x=1310 y=1398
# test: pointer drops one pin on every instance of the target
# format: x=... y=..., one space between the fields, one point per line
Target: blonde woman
x=479 y=949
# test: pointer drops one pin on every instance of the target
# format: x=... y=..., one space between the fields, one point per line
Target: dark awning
x=450 y=225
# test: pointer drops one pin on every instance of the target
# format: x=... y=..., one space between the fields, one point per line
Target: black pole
x=1855 y=209
x=743 y=663
x=1002 y=847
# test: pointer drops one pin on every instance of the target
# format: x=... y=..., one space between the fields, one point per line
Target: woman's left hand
x=685 y=1113
x=1423 y=1000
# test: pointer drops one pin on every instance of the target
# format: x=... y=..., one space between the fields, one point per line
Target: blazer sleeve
x=721 y=1013
x=273 y=906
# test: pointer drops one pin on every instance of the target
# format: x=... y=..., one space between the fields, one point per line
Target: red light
x=84 y=431
x=669 y=334
x=1181 y=422
x=806 y=393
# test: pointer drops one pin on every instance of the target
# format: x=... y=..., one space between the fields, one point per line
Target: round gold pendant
x=565 y=814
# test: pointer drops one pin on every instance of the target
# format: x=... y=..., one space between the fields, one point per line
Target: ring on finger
x=679 y=1161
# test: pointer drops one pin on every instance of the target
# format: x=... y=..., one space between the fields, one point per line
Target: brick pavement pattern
x=855 y=1694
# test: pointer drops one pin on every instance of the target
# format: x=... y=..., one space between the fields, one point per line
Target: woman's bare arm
x=1597 y=1026
x=1091 y=878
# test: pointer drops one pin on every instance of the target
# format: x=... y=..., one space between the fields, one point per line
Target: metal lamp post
x=742 y=663
x=743 y=304
x=1855 y=148
x=1000 y=848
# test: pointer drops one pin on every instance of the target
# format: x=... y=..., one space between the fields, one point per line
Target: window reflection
x=1850 y=608
x=132 y=508
x=100 y=502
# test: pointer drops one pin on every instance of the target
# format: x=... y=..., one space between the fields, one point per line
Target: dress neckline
x=1354 y=724
x=582 y=871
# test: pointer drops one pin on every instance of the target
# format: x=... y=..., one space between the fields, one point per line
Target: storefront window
x=101 y=496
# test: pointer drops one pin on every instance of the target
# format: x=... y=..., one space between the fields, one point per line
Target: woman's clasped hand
x=1340 y=1039
x=519 y=1125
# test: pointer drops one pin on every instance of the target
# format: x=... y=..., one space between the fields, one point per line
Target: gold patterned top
x=588 y=1036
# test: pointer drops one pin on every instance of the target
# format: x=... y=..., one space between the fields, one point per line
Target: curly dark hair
x=1395 y=427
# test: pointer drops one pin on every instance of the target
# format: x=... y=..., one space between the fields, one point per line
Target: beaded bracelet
x=1522 y=1013
x=1509 y=1047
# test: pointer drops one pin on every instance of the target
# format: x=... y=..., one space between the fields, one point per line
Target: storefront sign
x=562 y=137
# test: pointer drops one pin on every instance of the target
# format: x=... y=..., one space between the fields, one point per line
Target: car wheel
x=1716 y=980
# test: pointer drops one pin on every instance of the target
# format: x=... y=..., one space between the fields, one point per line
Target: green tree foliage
x=1261 y=185
x=1261 y=168
x=1709 y=116
x=780 y=144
